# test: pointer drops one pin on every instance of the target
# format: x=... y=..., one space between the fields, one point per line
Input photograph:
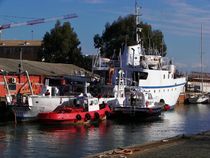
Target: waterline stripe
x=156 y=87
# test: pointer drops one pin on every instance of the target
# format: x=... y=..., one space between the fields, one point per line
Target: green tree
x=61 y=45
x=123 y=31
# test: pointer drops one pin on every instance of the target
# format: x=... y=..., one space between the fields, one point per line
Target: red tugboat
x=83 y=110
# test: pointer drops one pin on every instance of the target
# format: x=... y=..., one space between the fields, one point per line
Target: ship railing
x=166 y=61
x=105 y=63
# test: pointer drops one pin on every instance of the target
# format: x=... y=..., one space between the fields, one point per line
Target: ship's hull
x=74 y=117
x=136 y=113
x=38 y=104
x=167 y=93
x=163 y=86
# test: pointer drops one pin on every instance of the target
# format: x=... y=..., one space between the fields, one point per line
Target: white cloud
x=179 y=16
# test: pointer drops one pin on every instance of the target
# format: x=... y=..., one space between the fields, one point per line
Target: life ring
x=78 y=117
x=87 y=116
x=96 y=115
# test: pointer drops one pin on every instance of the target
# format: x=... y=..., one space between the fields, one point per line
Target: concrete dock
x=184 y=146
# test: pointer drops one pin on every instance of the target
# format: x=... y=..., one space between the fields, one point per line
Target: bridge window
x=139 y=76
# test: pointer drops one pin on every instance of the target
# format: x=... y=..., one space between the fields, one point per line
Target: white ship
x=131 y=103
x=152 y=73
x=29 y=107
x=26 y=108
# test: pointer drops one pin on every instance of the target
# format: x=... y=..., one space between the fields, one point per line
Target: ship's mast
x=137 y=16
x=201 y=58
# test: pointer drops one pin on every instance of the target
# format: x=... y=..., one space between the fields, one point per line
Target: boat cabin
x=88 y=103
x=139 y=98
x=50 y=91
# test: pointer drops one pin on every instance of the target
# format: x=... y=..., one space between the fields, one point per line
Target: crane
x=37 y=21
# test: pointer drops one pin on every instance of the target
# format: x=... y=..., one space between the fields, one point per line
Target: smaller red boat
x=82 y=110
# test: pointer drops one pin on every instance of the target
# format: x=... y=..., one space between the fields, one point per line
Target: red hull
x=73 y=116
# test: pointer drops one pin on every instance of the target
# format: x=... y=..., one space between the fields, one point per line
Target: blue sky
x=179 y=20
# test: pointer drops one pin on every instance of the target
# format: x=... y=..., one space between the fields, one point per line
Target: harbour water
x=35 y=140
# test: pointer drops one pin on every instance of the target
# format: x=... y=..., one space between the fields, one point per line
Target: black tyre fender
x=78 y=117
x=96 y=115
x=87 y=116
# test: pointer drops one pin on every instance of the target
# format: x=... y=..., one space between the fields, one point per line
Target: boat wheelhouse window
x=12 y=86
x=95 y=102
x=164 y=77
x=139 y=76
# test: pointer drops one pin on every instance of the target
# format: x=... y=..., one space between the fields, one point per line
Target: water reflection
x=79 y=137
x=2 y=145
x=189 y=118
x=34 y=140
